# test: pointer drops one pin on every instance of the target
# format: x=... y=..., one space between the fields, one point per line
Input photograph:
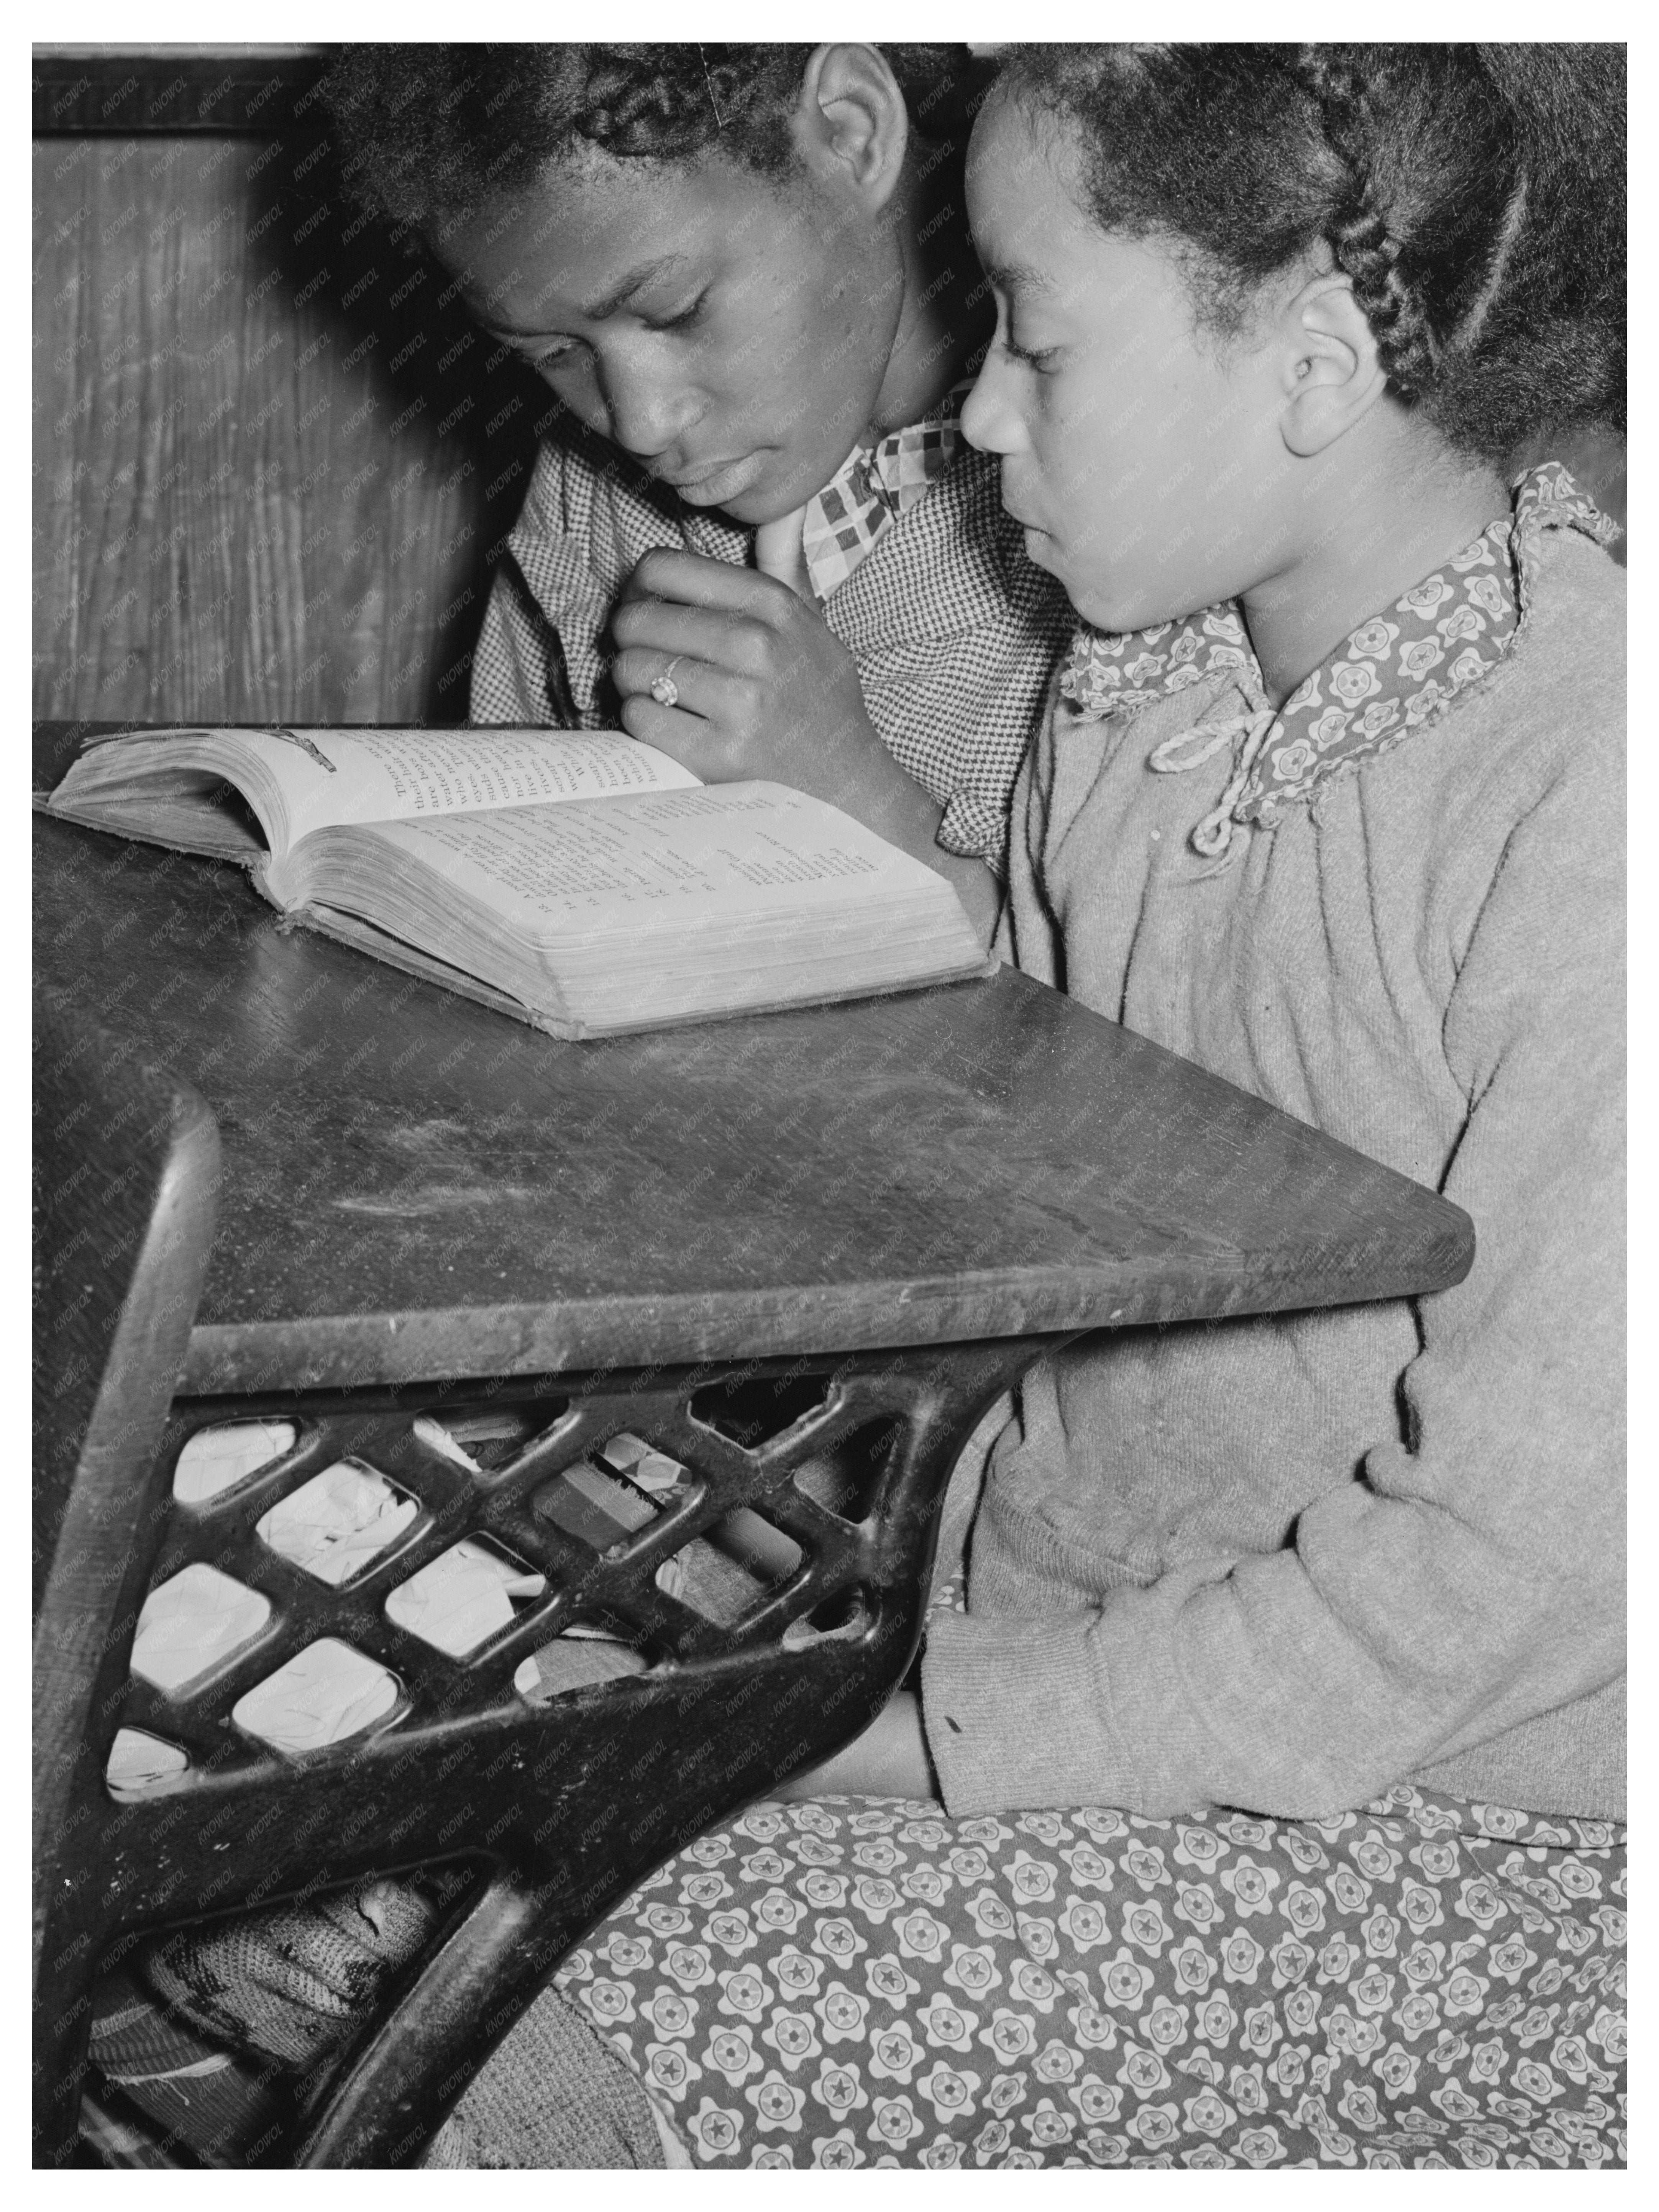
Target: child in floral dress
x=1280 y=1745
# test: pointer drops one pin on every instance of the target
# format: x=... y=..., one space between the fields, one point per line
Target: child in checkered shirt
x=745 y=273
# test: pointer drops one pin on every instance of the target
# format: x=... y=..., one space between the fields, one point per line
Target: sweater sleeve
x=1472 y=1579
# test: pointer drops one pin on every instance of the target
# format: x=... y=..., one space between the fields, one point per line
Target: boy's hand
x=765 y=687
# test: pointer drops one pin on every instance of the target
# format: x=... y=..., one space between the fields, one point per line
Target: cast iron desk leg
x=570 y=1803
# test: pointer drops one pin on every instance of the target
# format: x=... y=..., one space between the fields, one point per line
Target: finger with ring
x=663 y=690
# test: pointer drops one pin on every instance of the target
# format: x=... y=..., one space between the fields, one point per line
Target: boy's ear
x=851 y=127
x=1330 y=374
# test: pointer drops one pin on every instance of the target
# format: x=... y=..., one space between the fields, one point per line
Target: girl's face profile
x=699 y=317
x=1142 y=462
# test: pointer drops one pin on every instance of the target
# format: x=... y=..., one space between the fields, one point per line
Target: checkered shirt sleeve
x=518 y=663
x=543 y=656
x=955 y=634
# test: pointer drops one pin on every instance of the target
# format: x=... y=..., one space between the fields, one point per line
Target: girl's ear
x=850 y=125
x=1331 y=375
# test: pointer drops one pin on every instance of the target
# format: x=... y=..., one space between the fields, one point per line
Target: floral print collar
x=1391 y=676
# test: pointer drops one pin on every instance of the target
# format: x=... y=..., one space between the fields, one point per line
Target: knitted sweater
x=1284 y=1563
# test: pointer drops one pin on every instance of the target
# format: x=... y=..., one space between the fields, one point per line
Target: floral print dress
x=868 y=1982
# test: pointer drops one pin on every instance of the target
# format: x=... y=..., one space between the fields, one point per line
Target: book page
x=397 y=774
x=298 y=781
x=730 y=848
x=227 y=792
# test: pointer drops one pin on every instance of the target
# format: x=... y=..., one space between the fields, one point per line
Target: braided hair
x=431 y=131
x=1474 y=195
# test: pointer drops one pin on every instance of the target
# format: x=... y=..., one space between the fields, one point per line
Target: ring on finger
x=663 y=690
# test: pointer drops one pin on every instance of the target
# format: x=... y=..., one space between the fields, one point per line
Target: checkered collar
x=873 y=488
x=1400 y=670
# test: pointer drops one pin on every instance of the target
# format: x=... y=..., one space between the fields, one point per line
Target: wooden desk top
x=417 y=1188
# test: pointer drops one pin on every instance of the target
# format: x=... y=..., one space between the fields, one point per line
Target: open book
x=585 y=883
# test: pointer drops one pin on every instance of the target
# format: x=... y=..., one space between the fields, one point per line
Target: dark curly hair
x=430 y=132
x=1475 y=195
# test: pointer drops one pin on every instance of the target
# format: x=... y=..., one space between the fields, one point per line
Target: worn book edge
x=366 y=937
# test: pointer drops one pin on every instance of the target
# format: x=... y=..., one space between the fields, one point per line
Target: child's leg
x=292 y=1981
x=555 y=2093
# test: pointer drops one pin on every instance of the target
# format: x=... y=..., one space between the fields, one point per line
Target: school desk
x=791 y=1259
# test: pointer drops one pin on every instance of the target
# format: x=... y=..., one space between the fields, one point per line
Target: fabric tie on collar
x=1248 y=733
x=1396 y=673
x=845 y=522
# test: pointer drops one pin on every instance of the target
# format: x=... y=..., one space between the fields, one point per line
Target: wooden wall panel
x=266 y=486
